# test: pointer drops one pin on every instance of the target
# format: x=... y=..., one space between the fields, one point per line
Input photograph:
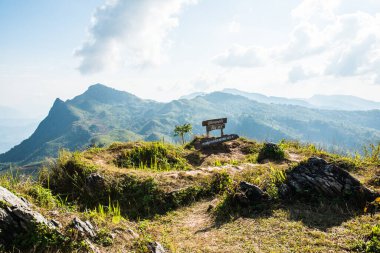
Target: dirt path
x=192 y=229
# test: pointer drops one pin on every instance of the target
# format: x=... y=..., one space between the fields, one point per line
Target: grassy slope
x=190 y=227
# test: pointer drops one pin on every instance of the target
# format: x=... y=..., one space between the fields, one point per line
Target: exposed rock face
x=316 y=177
x=16 y=216
x=250 y=193
x=85 y=228
x=155 y=247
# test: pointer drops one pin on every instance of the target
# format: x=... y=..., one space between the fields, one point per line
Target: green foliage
x=152 y=155
x=42 y=196
x=104 y=237
x=220 y=182
x=372 y=153
x=372 y=243
x=181 y=130
x=41 y=238
x=272 y=152
x=277 y=177
x=68 y=174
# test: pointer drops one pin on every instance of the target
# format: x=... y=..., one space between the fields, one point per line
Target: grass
x=156 y=190
x=152 y=155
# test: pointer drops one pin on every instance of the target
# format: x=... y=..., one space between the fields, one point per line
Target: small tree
x=182 y=130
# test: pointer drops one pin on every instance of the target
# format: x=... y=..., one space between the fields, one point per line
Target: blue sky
x=162 y=49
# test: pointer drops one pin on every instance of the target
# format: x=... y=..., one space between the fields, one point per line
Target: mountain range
x=328 y=102
x=102 y=115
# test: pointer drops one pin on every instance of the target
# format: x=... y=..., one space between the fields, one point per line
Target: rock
x=316 y=177
x=85 y=229
x=16 y=217
x=133 y=233
x=56 y=223
x=95 y=179
x=92 y=247
x=250 y=193
x=155 y=247
x=12 y=200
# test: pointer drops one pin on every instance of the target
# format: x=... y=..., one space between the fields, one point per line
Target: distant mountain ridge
x=328 y=102
x=102 y=115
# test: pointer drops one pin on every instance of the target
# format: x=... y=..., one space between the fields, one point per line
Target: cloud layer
x=131 y=32
x=324 y=41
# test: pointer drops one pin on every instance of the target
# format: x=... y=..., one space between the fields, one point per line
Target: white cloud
x=132 y=32
x=240 y=56
x=298 y=73
x=233 y=27
x=352 y=59
x=316 y=10
x=305 y=40
x=336 y=44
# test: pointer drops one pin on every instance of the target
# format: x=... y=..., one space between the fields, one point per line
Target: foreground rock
x=250 y=194
x=85 y=228
x=16 y=217
x=316 y=177
x=155 y=247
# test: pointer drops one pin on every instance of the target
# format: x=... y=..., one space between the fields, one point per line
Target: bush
x=42 y=196
x=271 y=151
x=372 y=243
x=68 y=174
x=153 y=155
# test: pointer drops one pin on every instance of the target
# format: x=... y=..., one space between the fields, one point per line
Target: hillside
x=102 y=115
x=156 y=197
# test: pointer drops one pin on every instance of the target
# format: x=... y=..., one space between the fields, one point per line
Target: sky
x=163 y=49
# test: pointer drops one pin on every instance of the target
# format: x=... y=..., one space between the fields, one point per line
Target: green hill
x=240 y=196
x=102 y=115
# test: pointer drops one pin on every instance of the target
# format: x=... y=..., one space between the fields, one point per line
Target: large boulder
x=16 y=217
x=316 y=177
x=250 y=194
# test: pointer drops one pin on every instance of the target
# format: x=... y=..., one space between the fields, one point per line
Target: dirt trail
x=192 y=229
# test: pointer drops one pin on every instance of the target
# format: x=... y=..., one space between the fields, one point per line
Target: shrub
x=68 y=174
x=271 y=151
x=372 y=242
x=42 y=196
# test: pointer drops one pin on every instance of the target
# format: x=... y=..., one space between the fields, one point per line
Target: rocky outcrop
x=16 y=217
x=316 y=177
x=155 y=247
x=85 y=228
x=250 y=194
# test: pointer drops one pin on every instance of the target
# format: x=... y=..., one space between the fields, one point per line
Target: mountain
x=327 y=102
x=268 y=99
x=102 y=115
x=193 y=95
x=343 y=102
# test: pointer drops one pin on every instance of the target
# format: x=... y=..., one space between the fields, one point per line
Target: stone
x=56 y=223
x=249 y=194
x=155 y=247
x=85 y=229
x=317 y=177
x=133 y=233
x=16 y=217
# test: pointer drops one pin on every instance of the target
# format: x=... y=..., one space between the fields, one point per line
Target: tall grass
x=154 y=155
